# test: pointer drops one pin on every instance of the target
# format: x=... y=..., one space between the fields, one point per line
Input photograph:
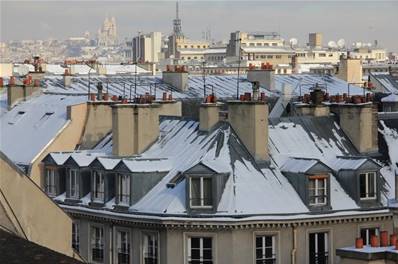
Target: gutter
x=294 y=250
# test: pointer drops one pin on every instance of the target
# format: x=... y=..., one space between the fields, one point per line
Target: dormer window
x=98 y=186
x=367 y=185
x=200 y=192
x=73 y=184
x=317 y=186
x=50 y=182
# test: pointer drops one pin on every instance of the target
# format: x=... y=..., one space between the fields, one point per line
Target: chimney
x=208 y=113
x=313 y=104
x=350 y=70
x=176 y=76
x=99 y=91
x=249 y=118
x=264 y=75
x=67 y=78
x=359 y=122
x=17 y=92
x=169 y=106
x=134 y=127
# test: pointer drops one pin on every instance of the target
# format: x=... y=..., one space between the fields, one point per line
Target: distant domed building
x=107 y=34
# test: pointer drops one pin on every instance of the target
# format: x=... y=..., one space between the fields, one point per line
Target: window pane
x=372 y=187
x=207 y=192
x=362 y=185
x=195 y=192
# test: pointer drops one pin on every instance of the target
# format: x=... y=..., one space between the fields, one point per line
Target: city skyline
x=50 y=19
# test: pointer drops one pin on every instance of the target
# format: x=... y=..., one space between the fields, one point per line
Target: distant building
x=107 y=34
x=315 y=40
x=147 y=47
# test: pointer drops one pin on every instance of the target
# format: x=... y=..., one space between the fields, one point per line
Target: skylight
x=16 y=117
x=43 y=119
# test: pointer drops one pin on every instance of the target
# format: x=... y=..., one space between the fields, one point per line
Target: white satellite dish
x=332 y=44
x=293 y=41
x=341 y=43
x=369 y=44
x=358 y=45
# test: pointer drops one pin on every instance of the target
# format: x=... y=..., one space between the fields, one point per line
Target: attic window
x=367 y=185
x=44 y=118
x=200 y=192
x=17 y=117
x=317 y=186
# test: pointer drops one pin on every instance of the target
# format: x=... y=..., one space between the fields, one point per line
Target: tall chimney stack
x=176 y=76
x=208 y=113
x=249 y=118
x=134 y=128
x=264 y=75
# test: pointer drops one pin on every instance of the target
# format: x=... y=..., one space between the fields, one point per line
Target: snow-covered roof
x=298 y=165
x=347 y=163
x=224 y=85
x=29 y=126
x=389 y=83
x=392 y=98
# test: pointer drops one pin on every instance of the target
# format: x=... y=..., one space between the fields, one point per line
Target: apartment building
x=147 y=47
x=192 y=190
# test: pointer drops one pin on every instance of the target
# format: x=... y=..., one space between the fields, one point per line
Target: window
x=322 y=54
x=274 y=44
x=200 y=192
x=123 y=247
x=269 y=56
x=150 y=249
x=319 y=252
x=265 y=250
x=367 y=185
x=16 y=117
x=367 y=233
x=200 y=250
x=124 y=189
x=278 y=56
x=75 y=236
x=97 y=244
x=98 y=186
x=73 y=184
x=50 y=182
x=317 y=187
x=43 y=119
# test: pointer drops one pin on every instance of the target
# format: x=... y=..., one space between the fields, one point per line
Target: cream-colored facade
x=315 y=40
x=350 y=70
x=370 y=54
x=66 y=140
x=29 y=213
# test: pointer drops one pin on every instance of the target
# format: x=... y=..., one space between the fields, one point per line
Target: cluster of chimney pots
x=264 y=66
x=382 y=241
x=28 y=81
x=176 y=68
x=318 y=96
x=141 y=99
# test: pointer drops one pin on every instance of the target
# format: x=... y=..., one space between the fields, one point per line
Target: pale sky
x=363 y=21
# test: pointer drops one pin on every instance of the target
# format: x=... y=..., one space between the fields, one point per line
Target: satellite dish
x=293 y=42
x=341 y=43
x=369 y=44
x=332 y=44
x=358 y=45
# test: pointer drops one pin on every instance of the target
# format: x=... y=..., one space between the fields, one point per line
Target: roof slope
x=28 y=127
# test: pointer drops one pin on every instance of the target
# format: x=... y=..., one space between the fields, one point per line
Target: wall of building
x=66 y=140
x=236 y=246
x=36 y=216
x=6 y=69
x=98 y=124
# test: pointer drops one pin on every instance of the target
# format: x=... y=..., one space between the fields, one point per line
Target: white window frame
x=367 y=238
x=50 y=187
x=98 y=195
x=75 y=193
x=76 y=235
x=145 y=248
x=263 y=247
x=92 y=243
x=317 y=189
x=118 y=247
x=367 y=197
x=201 y=248
x=124 y=189
x=201 y=193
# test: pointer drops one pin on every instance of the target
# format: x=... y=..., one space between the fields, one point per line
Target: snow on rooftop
x=297 y=165
x=28 y=127
x=392 y=98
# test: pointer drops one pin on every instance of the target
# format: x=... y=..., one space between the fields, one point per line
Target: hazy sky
x=354 y=21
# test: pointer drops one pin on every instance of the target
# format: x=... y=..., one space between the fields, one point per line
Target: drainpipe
x=294 y=250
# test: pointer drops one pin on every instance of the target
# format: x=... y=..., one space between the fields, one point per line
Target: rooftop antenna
x=204 y=78
x=239 y=40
